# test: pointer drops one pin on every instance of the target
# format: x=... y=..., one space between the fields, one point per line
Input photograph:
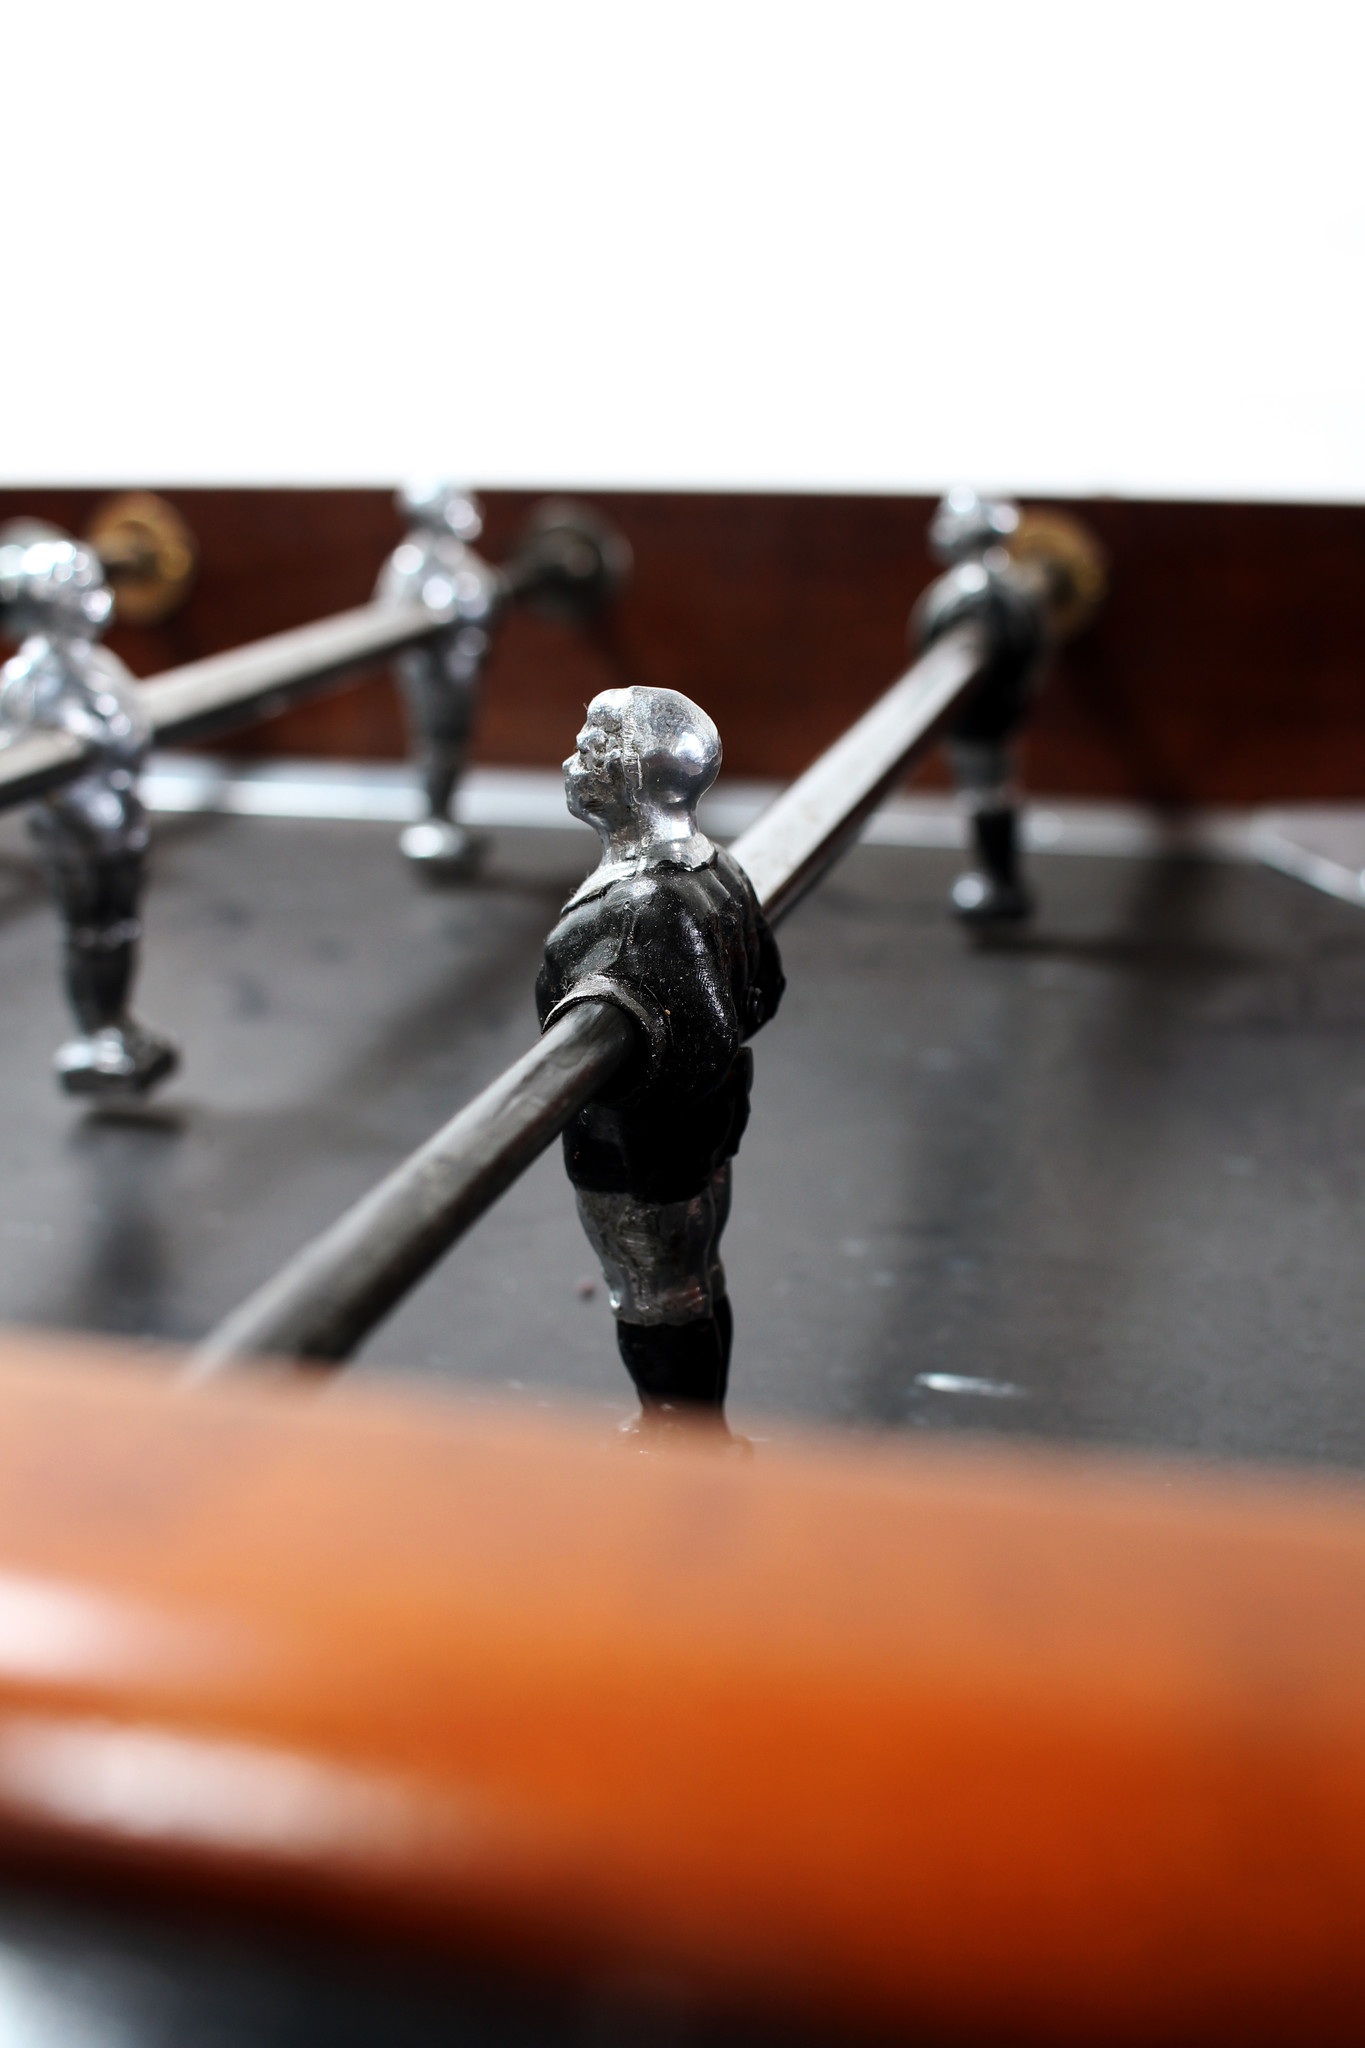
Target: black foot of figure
x=993 y=892
x=680 y=1365
x=115 y=1060
x=442 y=851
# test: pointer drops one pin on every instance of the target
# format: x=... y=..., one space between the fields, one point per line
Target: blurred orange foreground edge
x=988 y=1745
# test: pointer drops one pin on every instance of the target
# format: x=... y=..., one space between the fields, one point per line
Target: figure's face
x=595 y=781
x=442 y=508
x=59 y=589
x=965 y=525
x=642 y=760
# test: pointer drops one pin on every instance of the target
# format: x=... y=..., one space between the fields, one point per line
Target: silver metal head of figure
x=441 y=508
x=643 y=761
x=54 y=586
x=966 y=526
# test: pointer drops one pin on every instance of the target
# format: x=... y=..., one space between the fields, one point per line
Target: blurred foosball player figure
x=436 y=564
x=1028 y=580
x=971 y=535
x=667 y=927
x=91 y=832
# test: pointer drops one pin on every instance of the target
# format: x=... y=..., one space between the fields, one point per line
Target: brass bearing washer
x=148 y=553
x=1074 y=566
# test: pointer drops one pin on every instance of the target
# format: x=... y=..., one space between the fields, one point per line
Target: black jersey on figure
x=688 y=954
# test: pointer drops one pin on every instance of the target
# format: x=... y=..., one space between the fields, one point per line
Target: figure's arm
x=651 y=945
x=764 y=979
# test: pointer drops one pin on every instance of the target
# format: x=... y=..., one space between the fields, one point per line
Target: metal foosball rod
x=644 y=758
x=76 y=727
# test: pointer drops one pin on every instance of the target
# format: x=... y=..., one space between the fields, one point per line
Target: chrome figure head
x=967 y=526
x=435 y=564
x=55 y=587
x=441 y=508
x=643 y=761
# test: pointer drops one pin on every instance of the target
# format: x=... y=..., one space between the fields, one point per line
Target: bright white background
x=1113 y=246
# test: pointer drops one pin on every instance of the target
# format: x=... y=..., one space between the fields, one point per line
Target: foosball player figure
x=970 y=534
x=436 y=563
x=92 y=832
x=668 y=928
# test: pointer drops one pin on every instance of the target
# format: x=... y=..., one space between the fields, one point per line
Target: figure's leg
x=662 y=1266
x=97 y=876
x=441 y=688
x=992 y=891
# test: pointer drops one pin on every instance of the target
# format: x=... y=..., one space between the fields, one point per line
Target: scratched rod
x=328 y=1298
x=208 y=696
x=340 y=1286
x=205 y=696
x=805 y=830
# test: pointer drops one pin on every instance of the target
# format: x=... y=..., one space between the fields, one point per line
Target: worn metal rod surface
x=204 y=696
x=208 y=696
x=329 y=1297
x=801 y=835
x=334 y=1291
x=36 y=763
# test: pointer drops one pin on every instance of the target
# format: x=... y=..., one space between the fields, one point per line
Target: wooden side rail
x=999 y=1746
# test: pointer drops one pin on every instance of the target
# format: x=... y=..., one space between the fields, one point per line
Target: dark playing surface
x=73 y=1976
x=1111 y=1170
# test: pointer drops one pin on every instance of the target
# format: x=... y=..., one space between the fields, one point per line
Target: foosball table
x=929 y=1645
